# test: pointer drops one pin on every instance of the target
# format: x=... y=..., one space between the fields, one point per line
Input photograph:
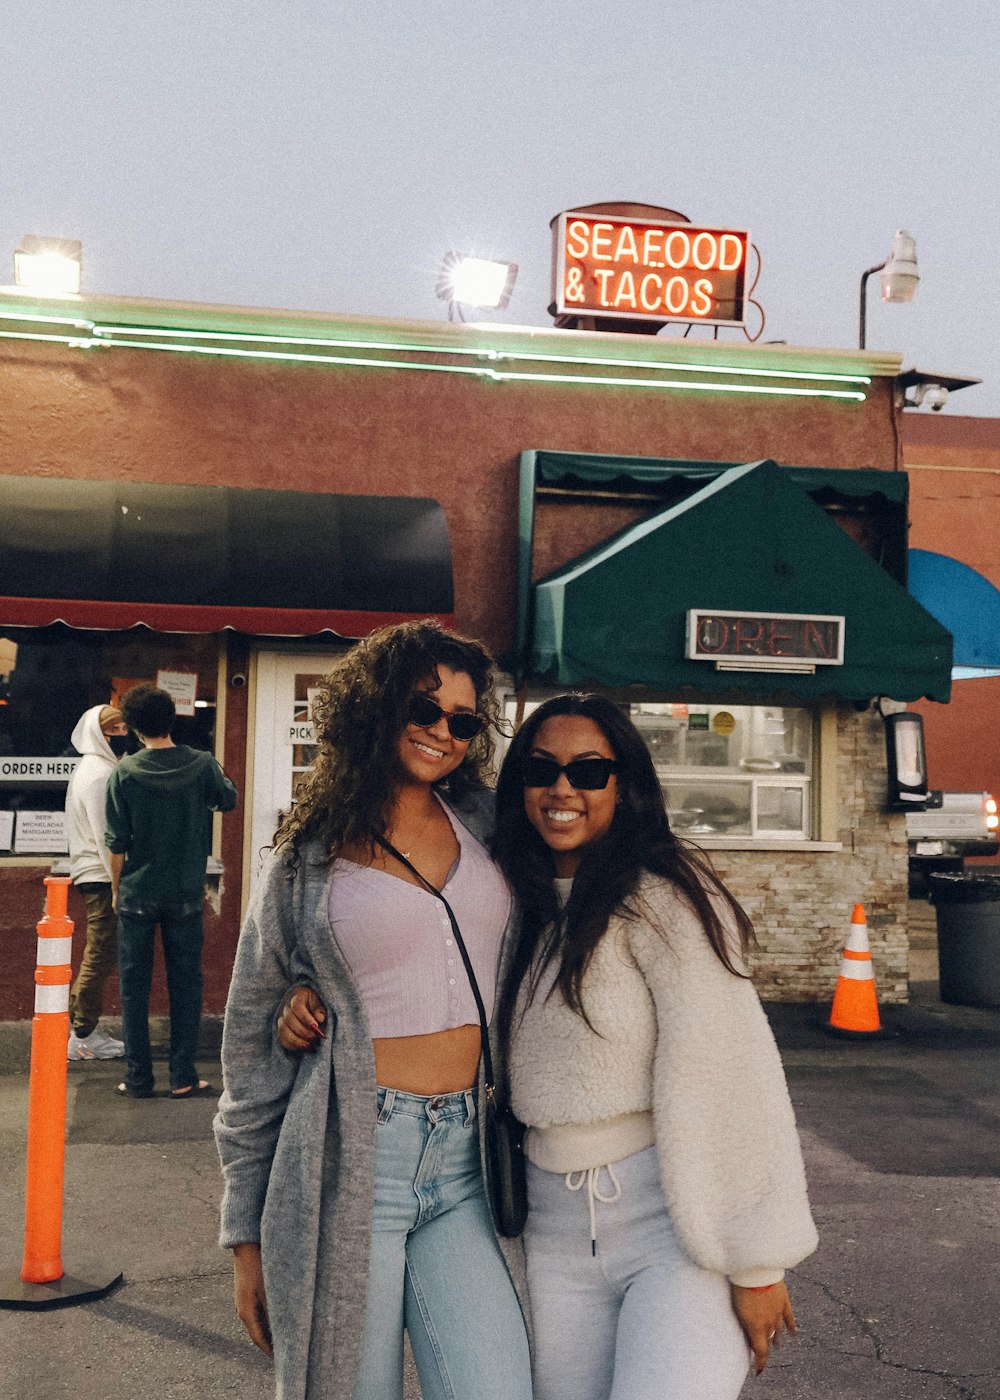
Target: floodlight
x=476 y=281
x=48 y=264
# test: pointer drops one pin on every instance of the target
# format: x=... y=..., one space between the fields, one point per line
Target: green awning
x=751 y=540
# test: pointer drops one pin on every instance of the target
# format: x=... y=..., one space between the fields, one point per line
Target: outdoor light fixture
x=48 y=264
x=475 y=281
x=899 y=276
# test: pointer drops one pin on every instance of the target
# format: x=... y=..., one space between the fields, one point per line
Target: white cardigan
x=682 y=1036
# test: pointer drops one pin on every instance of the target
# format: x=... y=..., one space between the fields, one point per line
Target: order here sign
x=641 y=270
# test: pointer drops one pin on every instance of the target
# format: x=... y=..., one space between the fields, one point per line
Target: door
x=283 y=745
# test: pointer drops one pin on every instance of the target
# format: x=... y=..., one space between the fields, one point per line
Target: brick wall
x=801 y=903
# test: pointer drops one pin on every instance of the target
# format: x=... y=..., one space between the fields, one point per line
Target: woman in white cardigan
x=666 y=1187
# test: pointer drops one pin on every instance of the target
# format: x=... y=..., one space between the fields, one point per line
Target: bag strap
x=433 y=889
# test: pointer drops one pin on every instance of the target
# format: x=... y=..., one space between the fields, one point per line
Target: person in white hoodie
x=101 y=737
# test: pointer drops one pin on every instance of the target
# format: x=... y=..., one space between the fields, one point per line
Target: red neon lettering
x=676 y=288
x=775 y=637
x=600 y=242
x=647 y=304
x=577 y=238
x=677 y=238
x=819 y=639
x=710 y=251
x=626 y=247
x=602 y=276
x=626 y=291
x=652 y=243
x=713 y=634
x=735 y=246
x=749 y=637
x=702 y=288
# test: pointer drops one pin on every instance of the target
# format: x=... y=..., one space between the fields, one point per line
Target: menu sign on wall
x=637 y=269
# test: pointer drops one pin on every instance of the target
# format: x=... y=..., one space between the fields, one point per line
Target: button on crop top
x=399 y=944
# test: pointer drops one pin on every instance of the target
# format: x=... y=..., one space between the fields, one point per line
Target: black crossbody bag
x=506 y=1178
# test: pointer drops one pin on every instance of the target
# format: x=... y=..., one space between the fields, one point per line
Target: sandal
x=195 y=1091
x=127 y=1093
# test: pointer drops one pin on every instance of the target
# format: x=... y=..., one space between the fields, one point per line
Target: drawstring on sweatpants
x=575 y=1181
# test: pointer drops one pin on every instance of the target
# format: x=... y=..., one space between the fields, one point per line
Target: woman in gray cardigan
x=354 y=1202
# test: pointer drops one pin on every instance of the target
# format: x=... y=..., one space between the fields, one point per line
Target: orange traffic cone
x=855 y=1006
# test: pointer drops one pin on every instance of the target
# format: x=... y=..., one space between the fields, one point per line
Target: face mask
x=119 y=744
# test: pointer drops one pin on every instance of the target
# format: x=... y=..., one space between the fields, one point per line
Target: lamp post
x=899 y=276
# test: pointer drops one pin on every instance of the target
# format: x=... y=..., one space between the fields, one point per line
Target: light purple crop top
x=399 y=944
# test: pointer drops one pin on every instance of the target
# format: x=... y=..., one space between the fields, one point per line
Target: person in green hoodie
x=159 y=832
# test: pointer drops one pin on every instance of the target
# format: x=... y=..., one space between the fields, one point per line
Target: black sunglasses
x=425 y=712
x=585 y=774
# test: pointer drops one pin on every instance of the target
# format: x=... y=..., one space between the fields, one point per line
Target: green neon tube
x=482 y=372
x=258 y=338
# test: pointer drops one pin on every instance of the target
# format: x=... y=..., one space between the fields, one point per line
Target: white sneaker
x=95 y=1046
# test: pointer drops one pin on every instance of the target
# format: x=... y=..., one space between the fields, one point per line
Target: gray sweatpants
x=637 y=1319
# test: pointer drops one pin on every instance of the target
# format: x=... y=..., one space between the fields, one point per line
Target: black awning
x=111 y=554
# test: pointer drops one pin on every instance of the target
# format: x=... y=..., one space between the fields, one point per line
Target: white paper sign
x=33 y=769
x=182 y=686
x=40 y=832
x=6 y=830
x=302 y=732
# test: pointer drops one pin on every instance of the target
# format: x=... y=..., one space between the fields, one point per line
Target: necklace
x=415 y=840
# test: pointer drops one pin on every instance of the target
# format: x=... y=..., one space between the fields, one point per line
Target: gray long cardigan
x=296 y=1133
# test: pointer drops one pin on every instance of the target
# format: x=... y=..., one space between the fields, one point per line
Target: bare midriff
x=445 y=1062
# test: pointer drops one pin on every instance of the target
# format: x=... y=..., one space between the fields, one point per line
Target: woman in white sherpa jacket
x=666 y=1187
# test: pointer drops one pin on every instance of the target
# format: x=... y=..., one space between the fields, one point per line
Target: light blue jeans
x=436 y=1268
x=638 y=1319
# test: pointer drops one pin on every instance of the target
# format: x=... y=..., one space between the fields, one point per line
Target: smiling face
x=570 y=819
x=428 y=755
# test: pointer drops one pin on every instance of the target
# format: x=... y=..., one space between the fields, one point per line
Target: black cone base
x=61 y=1293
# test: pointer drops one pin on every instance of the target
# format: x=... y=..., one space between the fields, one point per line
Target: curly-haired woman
x=354 y=1201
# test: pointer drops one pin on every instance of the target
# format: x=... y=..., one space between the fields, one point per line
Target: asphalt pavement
x=900 y=1302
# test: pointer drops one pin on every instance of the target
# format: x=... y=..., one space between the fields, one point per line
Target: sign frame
x=562 y=308
x=732 y=660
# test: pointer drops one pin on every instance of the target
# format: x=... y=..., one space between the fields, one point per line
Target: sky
x=309 y=154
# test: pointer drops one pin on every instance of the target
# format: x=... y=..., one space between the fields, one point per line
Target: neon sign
x=641 y=270
x=753 y=641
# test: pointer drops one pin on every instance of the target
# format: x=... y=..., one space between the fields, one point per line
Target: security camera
x=935 y=396
x=238 y=681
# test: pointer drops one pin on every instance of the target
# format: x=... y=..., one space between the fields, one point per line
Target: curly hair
x=359 y=714
x=639 y=840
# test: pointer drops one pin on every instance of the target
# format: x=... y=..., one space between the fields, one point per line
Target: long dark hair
x=359 y=714
x=639 y=840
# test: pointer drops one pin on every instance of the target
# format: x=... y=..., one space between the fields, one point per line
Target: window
x=48 y=678
x=736 y=771
x=732 y=770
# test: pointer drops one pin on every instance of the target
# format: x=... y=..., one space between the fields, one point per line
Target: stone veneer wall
x=801 y=903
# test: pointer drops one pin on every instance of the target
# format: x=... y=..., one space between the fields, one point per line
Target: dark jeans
x=182 y=934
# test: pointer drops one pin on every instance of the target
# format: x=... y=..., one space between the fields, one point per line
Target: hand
x=762 y=1315
x=300 y=1020
x=251 y=1303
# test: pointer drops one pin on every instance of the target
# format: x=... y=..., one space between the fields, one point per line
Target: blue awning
x=966 y=603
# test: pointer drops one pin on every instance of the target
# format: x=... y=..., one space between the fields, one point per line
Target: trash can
x=968 y=921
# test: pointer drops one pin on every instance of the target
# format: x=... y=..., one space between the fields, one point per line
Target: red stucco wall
x=123 y=414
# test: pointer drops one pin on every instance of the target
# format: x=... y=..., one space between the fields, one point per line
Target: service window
x=732 y=770
x=737 y=771
x=48 y=678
